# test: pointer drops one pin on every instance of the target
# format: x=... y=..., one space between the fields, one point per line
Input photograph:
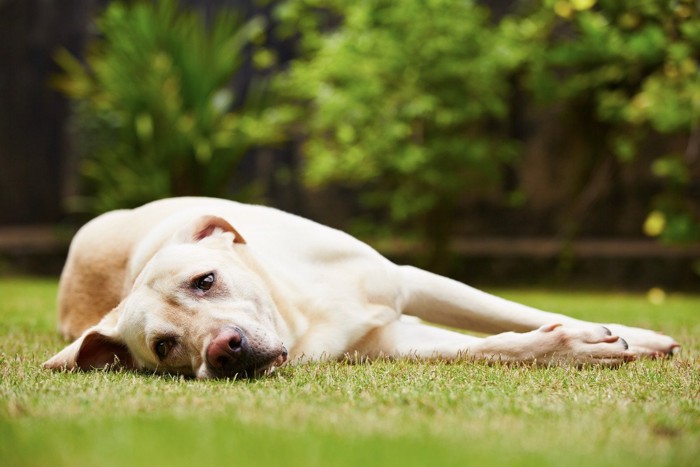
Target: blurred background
x=525 y=142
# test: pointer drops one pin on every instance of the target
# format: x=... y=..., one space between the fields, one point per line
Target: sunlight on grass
x=332 y=413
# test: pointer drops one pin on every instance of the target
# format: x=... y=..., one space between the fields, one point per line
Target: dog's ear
x=95 y=349
x=208 y=225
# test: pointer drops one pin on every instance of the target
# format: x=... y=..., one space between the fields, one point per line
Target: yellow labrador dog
x=214 y=288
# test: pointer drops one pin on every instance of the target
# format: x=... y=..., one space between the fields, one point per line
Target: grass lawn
x=386 y=413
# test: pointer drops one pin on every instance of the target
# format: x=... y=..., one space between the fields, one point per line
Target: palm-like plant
x=154 y=106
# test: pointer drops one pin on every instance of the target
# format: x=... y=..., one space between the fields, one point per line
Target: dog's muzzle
x=231 y=354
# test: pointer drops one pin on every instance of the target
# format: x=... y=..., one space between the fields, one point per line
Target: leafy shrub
x=406 y=99
x=637 y=62
x=153 y=105
x=409 y=99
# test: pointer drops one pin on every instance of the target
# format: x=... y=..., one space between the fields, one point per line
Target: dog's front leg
x=445 y=301
x=441 y=300
x=547 y=345
x=341 y=332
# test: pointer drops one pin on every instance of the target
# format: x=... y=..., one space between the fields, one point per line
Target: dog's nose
x=228 y=348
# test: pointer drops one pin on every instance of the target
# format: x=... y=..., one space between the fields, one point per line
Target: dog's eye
x=205 y=282
x=162 y=347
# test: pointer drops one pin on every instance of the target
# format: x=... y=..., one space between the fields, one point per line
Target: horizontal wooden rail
x=33 y=239
x=47 y=238
x=549 y=247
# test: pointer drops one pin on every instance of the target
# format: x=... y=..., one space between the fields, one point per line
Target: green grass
x=385 y=413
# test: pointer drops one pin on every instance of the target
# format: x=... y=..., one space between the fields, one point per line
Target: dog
x=212 y=288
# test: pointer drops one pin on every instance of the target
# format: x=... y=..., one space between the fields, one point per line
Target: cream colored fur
x=296 y=290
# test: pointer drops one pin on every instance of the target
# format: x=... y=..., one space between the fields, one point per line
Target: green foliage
x=405 y=99
x=154 y=106
x=410 y=100
x=637 y=62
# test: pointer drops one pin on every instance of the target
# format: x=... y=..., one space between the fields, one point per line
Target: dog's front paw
x=594 y=345
x=646 y=343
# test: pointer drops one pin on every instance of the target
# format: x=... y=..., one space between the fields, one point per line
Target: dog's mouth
x=256 y=371
x=268 y=369
x=257 y=366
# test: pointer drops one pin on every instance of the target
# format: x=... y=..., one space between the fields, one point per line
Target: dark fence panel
x=33 y=144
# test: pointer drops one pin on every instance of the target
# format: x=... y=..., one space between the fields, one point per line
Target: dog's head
x=196 y=308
